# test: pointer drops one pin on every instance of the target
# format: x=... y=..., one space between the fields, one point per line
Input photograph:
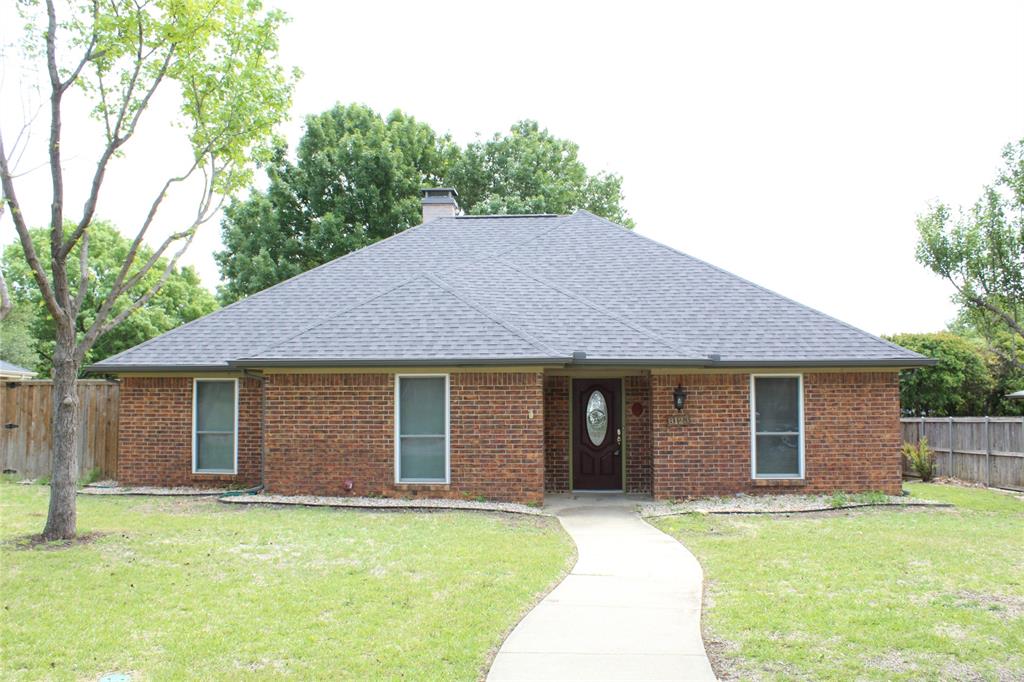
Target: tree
x=355 y=181
x=981 y=252
x=17 y=345
x=217 y=58
x=531 y=171
x=180 y=299
x=959 y=384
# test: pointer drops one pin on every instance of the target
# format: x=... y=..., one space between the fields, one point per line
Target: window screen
x=777 y=427
x=215 y=426
x=422 y=432
x=422 y=429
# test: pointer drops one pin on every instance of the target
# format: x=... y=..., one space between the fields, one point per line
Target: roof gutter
x=576 y=360
x=391 y=362
x=896 y=363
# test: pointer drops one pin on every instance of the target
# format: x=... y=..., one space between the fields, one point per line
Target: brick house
x=508 y=357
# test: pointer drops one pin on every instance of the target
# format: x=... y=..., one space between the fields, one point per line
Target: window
x=421 y=429
x=777 y=442
x=215 y=426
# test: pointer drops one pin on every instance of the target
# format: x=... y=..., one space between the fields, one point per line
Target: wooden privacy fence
x=26 y=436
x=987 y=450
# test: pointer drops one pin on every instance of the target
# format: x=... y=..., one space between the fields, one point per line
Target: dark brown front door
x=597 y=435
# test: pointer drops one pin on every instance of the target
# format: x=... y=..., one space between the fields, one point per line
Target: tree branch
x=139 y=302
x=11 y=198
x=115 y=142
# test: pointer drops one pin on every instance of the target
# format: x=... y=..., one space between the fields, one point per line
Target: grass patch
x=173 y=588
x=873 y=594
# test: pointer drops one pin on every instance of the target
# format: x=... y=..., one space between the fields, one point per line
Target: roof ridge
x=251 y=297
x=450 y=288
x=618 y=318
x=322 y=266
x=327 y=318
x=747 y=281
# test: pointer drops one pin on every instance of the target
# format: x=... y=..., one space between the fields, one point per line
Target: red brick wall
x=637 y=390
x=324 y=430
x=155 y=433
x=556 y=434
x=851 y=437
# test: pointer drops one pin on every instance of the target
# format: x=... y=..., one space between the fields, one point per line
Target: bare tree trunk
x=61 y=520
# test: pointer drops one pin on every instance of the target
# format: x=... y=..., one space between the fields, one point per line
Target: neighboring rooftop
x=513 y=289
x=11 y=371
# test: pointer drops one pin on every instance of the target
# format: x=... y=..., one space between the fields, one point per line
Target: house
x=12 y=372
x=508 y=357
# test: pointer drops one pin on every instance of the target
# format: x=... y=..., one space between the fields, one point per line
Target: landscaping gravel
x=776 y=504
x=384 y=503
x=111 y=488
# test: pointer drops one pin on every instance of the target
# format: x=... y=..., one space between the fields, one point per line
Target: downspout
x=263 y=435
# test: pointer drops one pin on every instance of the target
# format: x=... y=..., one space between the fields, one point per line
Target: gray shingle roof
x=518 y=289
x=11 y=369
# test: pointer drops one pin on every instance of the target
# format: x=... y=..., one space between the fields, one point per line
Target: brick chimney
x=439 y=202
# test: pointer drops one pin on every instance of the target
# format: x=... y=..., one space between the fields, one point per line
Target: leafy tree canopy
x=960 y=384
x=356 y=177
x=356 y=180
x=182 y=297
x=531 y=171
x=17 y=345
x=981 y=252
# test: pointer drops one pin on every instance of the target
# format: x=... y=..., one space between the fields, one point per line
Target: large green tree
x=355 y=180
x=215 y=60
x=959 y=384
x=980 y=251
x=529 y=170
x=182 y=297
x=17 y=343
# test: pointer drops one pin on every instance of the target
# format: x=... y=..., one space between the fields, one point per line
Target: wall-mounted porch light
x=679 y=398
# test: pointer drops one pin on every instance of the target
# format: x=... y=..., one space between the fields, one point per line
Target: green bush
x=92 y=475
x=921 y=458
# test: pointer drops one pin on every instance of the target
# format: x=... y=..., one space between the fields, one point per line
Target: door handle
x=618 y=436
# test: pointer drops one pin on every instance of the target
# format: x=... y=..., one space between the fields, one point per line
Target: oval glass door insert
x=597 y=418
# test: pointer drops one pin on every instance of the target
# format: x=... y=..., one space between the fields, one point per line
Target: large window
x=215 y=426
x=777 y=441
x=421 y=429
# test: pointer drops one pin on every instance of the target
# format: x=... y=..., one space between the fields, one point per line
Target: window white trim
x=195 y=422
x=447 y=431
x=753 y=425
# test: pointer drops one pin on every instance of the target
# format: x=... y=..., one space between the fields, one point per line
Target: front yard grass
x=881 y=594
x=174 y=588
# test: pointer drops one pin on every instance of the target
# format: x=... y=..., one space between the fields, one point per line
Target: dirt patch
x=1003 y=606
x=30 y=542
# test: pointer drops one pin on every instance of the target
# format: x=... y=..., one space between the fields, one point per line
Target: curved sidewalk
x=629 y=610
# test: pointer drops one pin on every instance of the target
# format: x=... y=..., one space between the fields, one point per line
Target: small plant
x=870 y=497
x=921 y=459
x=92 y=476
x=838 y=499
x=43 y=480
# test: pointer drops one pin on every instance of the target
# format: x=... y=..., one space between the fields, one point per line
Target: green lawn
x=884 y=594
x=187 y=588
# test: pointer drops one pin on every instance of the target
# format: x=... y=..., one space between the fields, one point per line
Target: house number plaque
x=681 y=419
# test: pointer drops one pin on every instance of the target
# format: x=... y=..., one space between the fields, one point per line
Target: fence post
x=988 y=452
x=950 y=472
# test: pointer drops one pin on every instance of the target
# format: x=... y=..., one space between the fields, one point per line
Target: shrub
x=921 y=458
x=92 y=476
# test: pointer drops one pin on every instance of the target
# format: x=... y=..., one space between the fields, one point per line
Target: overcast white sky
x=790 y=143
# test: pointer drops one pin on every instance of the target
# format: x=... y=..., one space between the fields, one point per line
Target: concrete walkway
x=630 y=609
